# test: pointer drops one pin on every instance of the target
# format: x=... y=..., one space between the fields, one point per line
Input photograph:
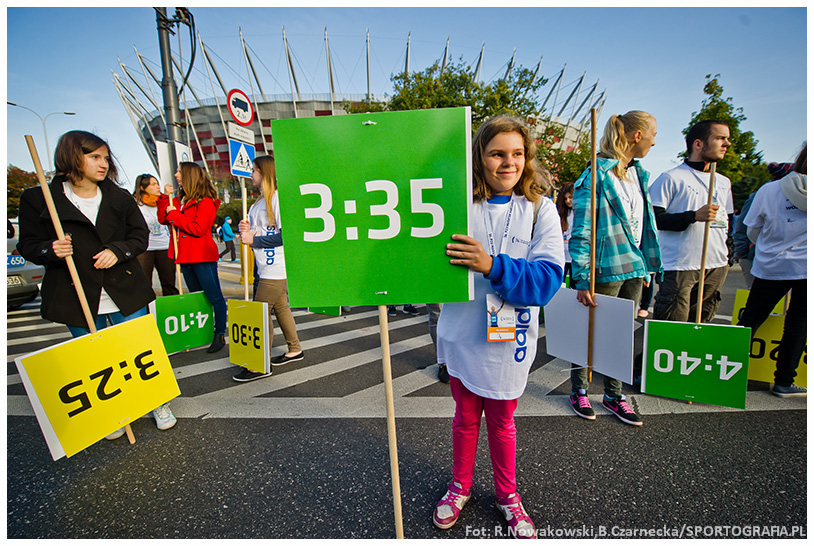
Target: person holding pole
x=157 y=255
x=104 y=232
x=625 y=234
x=262 y=231
x=777 y=223
x=193 y=213
x=680 y=201
x=517 y=249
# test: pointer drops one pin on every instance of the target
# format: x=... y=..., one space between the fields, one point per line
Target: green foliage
x=743 y=163
x=17 y=180
x=456 y=86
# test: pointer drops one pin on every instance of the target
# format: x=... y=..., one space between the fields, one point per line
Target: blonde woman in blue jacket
x=627 y=246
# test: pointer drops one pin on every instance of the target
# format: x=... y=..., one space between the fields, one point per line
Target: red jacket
x=194 y=226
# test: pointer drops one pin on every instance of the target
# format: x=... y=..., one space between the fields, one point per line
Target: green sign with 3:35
x=368 y=203
x=705 y=363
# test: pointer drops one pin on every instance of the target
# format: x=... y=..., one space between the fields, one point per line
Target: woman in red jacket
x=193 y=214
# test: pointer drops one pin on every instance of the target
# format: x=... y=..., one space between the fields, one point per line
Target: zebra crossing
x=341 y=374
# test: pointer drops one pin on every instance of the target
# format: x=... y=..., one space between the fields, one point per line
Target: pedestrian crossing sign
x=241 y=158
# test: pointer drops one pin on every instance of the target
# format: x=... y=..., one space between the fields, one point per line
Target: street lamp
x=44 y=132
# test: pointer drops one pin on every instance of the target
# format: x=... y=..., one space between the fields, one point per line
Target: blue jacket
x=226 y=232
x=617 y=257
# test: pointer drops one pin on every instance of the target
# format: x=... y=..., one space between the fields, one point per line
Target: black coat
x=119 y=227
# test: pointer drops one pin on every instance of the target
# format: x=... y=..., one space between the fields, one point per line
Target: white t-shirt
x=682 y=189
x=780 y=250
x=630 y=194
x=499 y=370
x=270 y=261
x=159 y=233
x=566 y=235
x=90 y=208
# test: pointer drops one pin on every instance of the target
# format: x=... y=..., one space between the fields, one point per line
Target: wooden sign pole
x=244 y=249
x=704 y=248
x=175 y=253
x=391 y=419
x=593 y=247
x=49 y=202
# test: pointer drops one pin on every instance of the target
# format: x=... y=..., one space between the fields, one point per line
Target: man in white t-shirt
x=680 y=198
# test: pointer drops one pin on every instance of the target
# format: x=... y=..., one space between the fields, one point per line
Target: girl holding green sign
x=517 y=247
x=263 y=233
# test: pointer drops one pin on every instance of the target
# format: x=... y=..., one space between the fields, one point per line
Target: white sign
x=240 y=133
x=166 y=172
x=566 y=333
x=240 y=107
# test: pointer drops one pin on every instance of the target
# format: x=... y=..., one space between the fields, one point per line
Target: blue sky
x=647 y=58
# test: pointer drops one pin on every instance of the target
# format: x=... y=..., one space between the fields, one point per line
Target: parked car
x=23 y=277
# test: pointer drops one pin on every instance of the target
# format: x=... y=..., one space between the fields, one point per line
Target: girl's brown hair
x=142 y=181
x=69 y=156
x=195 y=184
x=801 y=164
x=265 y=166
x=562 y=208
x=535 y=180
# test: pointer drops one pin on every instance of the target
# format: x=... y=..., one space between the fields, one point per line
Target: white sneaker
x=115 y=434
x=164 y=418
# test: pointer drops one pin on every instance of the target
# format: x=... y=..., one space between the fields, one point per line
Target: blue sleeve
x=268 y=241
x=227 y=230
x=525 y=283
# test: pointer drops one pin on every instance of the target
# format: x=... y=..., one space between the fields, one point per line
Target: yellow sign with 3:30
x=84 y=389
x=248 y=335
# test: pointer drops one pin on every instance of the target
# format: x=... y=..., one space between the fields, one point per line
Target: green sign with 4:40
x=368 y=203
x=705 y=363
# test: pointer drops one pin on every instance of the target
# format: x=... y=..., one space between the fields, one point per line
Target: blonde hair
x=535 y=180
x=619 y=131
x=265 y=166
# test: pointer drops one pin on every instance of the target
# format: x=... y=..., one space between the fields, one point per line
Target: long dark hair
x=562 y=208
x=195 y=183
x=142 y=181
x=69 y=156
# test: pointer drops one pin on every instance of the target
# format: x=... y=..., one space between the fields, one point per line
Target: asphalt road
x=304 y=453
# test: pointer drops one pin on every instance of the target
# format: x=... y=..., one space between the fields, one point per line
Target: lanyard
x=490 y=236
x=705 y=185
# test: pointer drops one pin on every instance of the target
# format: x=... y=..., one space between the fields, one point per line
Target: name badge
x=500 y=319
x=720 y=219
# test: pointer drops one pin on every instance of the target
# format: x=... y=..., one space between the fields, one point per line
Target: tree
x=456 y=86
x=17 y=180
x=743 y=163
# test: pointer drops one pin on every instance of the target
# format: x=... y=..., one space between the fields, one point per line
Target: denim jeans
x=204 y=276
x=763 y=296
x=102 y=321
x=630 y=289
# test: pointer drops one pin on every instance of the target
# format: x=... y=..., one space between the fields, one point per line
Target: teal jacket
x=617 y=257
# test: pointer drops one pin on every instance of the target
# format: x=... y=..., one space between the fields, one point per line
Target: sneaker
x=164 y=418
x=411 y=310
x=622 y=410
x=217 y=344
x=282 y=359
x=642 y=313
x=245 y=375
x=443 y=374
x=115 y=434
x=581 y=405
x=520 y=524
x=449 y=507
x=792 y=391
x=391 y=311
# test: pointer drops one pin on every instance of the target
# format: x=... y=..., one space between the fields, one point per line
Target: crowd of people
x=521 y=247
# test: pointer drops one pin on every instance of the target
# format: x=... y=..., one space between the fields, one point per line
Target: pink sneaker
x=520 y=524
x=449 y=507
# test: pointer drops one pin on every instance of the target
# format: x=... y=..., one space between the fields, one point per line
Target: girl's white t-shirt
x=499 y=370
x=270 y=261
x=566 y=235
x=159 y=233
x=781 y=247
x=90 y=208
x=630 y=194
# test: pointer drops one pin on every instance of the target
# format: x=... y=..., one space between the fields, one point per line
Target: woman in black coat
x=104 y=230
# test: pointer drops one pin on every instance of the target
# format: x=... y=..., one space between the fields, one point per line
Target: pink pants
x=501 y=431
